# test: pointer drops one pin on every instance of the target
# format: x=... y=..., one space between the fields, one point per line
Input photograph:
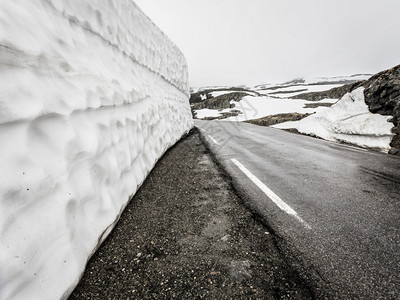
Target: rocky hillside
x=335 y=93
x=219 y=102
x=201 y=95
x=382 y=95
x=278 y=118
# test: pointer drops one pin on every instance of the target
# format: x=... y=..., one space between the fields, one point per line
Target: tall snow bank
x=92 y=93
x=349 y=120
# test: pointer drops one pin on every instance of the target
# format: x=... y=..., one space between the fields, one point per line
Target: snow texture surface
x=350 y=121
x=92 y=93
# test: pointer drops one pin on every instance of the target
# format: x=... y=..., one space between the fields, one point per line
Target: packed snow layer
x=92 y=93
x=349 y=120
x=206 y=113
x=220 y=93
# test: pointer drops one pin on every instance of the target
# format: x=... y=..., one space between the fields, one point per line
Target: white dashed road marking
x=214 y=140
x=270 y=194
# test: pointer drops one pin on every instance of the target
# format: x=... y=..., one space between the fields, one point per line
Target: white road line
x=215 y=141
x=271 y=195
x=202 y=130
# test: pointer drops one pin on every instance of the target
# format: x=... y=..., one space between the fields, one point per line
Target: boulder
x=382 y=95
x=220 y=102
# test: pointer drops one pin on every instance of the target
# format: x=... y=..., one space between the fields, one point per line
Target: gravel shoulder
x=187 y=235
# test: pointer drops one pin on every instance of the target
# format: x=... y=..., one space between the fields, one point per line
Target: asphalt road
x=335 y=208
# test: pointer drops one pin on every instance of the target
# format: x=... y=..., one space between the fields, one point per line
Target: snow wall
x=92 y=93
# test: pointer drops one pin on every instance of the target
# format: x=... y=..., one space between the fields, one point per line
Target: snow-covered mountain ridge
x=92 y=94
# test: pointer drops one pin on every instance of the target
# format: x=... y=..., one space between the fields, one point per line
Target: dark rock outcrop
x=382 y=95
x=276 y=119
x=317 y=104
x=198 y=97
x=224 y=115
x=202 y=95
x=220 y=102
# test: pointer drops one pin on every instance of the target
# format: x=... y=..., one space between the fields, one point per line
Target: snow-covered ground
x=220 y=93
x=206 y=112
x=92 y=93
x=349 y=120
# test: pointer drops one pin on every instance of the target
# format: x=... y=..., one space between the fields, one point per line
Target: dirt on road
x=186 y=235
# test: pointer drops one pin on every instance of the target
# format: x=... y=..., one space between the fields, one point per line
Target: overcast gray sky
x=233 y=42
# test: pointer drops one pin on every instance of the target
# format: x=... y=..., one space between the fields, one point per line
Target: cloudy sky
x=234 y=42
